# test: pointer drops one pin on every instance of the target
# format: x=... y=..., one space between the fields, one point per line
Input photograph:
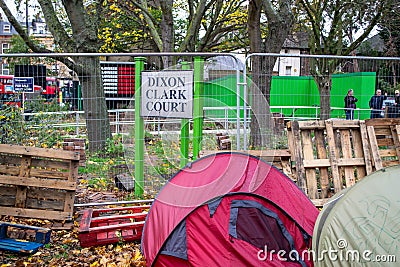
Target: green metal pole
x=139 y=130
x=184 y=131
x=197 y=106
x=80 y=98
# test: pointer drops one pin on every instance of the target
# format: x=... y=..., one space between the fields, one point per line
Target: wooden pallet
x=223 y=141
x=37 y=182
x=11 y=240
x=384 y=140
x=76 y=144
x=329 y=155
x=111 y=225
x=279 y=158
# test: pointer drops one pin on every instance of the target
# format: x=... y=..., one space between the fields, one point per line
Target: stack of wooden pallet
x=37 y=182
x=334 y=154
x=76 y=144
x=280 y=158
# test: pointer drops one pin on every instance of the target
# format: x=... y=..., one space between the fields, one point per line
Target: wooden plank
x=321 y=154
x=308 y=153
x=10 y=170
x=38 y=182
x=345 y=124
x=140 y=216
x=382 y=122
x=330 y=136
x=39 y=152
x=384 y=142
x=320 y=202
x=24 y=167
x=8 y=195
x=382 y=131
x=396 y=139
x=366 y=148
x=10 y=159
x=131 y=225
x=388 y=163
x=73 y=171
x=298 y=157
x=50 y=174
x=287 y=168
x=311 y=125
x=390 y=152
x=321 y=163
x=20 y=197
x=7 y=201
x=347 y=155
x=51 y=194
x=337 y=136
x=69 y=202
x=51 y=164
x=316 y=163
x=34 y=213
x=44 y=204
x=358 y=152
x=132 y=209
x=84 y=224
x=374 y=148
x=290 y=137
x=8 y=190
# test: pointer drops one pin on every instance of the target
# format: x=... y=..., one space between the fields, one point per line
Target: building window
x=6 y=28
x=5 y=47
x=5 y=69
x=288 y=70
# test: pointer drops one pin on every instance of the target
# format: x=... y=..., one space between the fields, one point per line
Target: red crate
x=112 y=225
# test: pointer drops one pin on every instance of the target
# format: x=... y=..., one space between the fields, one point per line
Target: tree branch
x=35 y=48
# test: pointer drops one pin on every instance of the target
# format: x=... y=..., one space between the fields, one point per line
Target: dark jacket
x=376 y=101
x=397 y=99
x=350 y=101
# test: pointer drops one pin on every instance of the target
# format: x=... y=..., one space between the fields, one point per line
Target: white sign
x=167 y=94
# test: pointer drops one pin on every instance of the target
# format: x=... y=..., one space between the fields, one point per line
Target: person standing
x=396 y=98
x=350 y=104
x=375 y=103
x=397 y=103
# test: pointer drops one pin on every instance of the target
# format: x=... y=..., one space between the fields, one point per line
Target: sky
x=21 y=15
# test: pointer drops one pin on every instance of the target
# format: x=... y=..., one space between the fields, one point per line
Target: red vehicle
x=7 y=94
x=52 y=88
x=6 y=84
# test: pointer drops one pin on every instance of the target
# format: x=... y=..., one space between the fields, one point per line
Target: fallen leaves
x=64 y=250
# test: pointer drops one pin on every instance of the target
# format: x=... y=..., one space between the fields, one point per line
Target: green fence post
x=80 y=106
x=184 y=131
x=198 y=105
x=139 y=130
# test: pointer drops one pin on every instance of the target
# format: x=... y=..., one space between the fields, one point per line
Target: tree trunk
x=279 y=26
x=94 y=104
x=167 y=31
x=324 y=84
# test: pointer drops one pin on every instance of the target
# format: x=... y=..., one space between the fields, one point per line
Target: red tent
x=229 y=209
